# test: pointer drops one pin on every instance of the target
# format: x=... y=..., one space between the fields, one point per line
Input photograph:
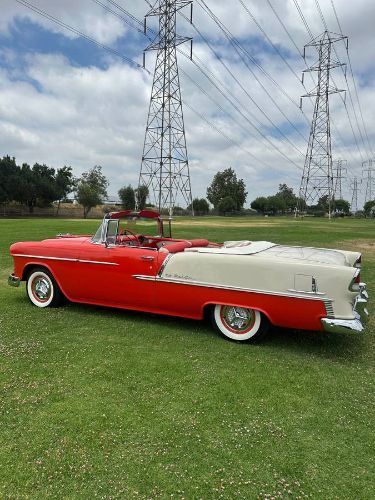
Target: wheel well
x=29 y=268
x=208 y=308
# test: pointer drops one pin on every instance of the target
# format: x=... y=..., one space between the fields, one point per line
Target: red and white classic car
x=245 y=286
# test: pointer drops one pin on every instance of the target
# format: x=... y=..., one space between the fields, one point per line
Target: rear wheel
x=239 y=323
x=42 y=289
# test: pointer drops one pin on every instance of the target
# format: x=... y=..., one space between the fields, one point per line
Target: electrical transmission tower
x=317 y=178
x=165 y=166
x=354 y=203
x=370 y=179
x=339 y=174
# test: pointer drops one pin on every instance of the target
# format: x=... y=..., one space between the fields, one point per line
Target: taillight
x=354 y=285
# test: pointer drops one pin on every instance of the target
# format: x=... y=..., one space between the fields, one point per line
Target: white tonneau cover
x=235 y=248
x=272 y=251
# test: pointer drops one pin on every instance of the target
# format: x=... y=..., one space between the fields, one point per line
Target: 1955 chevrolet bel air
x=244 y=285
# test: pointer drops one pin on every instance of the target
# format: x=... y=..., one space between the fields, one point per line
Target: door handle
x=147 y=257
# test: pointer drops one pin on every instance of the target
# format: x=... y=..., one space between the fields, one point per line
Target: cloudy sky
x=67 y=101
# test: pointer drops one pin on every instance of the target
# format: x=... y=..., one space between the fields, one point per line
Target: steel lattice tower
x=318 y=178
x=370 y=180
x=354 y=203
x=339 y=172
x=165 y=166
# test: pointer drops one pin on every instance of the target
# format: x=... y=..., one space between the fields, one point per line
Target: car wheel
x=42 y=289
x=239 y=323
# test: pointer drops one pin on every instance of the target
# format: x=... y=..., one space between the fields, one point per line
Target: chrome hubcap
x=238 y=319
x=42 y=288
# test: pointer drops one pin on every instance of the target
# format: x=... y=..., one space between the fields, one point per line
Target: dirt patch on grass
x=226 y=224
x=364 y=245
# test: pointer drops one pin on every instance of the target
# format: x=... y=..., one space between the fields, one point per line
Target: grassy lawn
x=104 y=403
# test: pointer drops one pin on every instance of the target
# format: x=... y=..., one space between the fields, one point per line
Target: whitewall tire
x=42 y=289
x=239 y=323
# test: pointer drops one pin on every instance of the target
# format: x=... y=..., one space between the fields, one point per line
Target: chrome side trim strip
x=144 y=278
x=304 y=291
x=223 y=287
x=81 y=261
x=66 y=259
x=168 y=257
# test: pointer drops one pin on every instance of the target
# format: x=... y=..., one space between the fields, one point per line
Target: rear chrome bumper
x=360 y=313
x=14 y=280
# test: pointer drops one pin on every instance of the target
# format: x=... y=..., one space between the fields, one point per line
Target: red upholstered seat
x=199 y=243
x=178 y=246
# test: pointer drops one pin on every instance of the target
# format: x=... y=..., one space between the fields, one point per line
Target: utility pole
x=165 y=165
x=317 y=178
x=370 y=179
x=339 y=172
x=354 y=203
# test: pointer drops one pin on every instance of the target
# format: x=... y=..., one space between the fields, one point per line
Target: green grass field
x=112 y=404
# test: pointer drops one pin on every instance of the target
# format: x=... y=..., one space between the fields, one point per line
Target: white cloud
x=54 y=112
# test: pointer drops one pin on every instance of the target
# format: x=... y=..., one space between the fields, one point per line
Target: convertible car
x=243 y=285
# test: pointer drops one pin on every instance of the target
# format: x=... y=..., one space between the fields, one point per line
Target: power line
x=209 y=45
x=337 y=131
x=242 y=51
x=344 y=73
x=303 y=19
x=249 y=95
x=66 y=26
x=225 y=94
x=117 y=53
x=251 y=15
x=124 y=19
x=354 y=82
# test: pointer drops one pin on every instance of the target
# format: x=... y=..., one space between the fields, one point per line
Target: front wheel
x=239 y=323
x=42 y=289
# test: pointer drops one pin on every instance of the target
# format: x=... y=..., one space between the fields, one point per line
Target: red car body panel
x=126 y=277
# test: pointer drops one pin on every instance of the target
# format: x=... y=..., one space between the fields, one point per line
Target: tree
x=127 y=197
x=141 y=196
x=65 y=184
x=260 y=204
x=342 y=206
x=323 y=202
x=35 y=186
x=288 y=197
x=369 y=208
x=9 y=173
x=226 y=206
x=225 y=184
x=276 y=204
x=200 y=206
x=91 y=189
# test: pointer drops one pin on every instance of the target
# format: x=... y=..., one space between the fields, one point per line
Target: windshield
x=146 y=227
x=97 y=238
x=131 y=225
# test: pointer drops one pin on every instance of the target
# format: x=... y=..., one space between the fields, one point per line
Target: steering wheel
x=127 y=232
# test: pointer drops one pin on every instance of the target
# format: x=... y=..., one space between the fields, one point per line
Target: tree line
x=40 y=186
x=226 y=193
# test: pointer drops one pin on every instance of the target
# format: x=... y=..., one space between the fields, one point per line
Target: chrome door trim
x=65 y=259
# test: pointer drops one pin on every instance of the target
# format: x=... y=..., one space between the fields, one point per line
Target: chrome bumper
x=14 y=280
x=360 y=313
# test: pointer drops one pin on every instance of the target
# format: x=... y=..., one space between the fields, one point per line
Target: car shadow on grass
x=345 y=348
